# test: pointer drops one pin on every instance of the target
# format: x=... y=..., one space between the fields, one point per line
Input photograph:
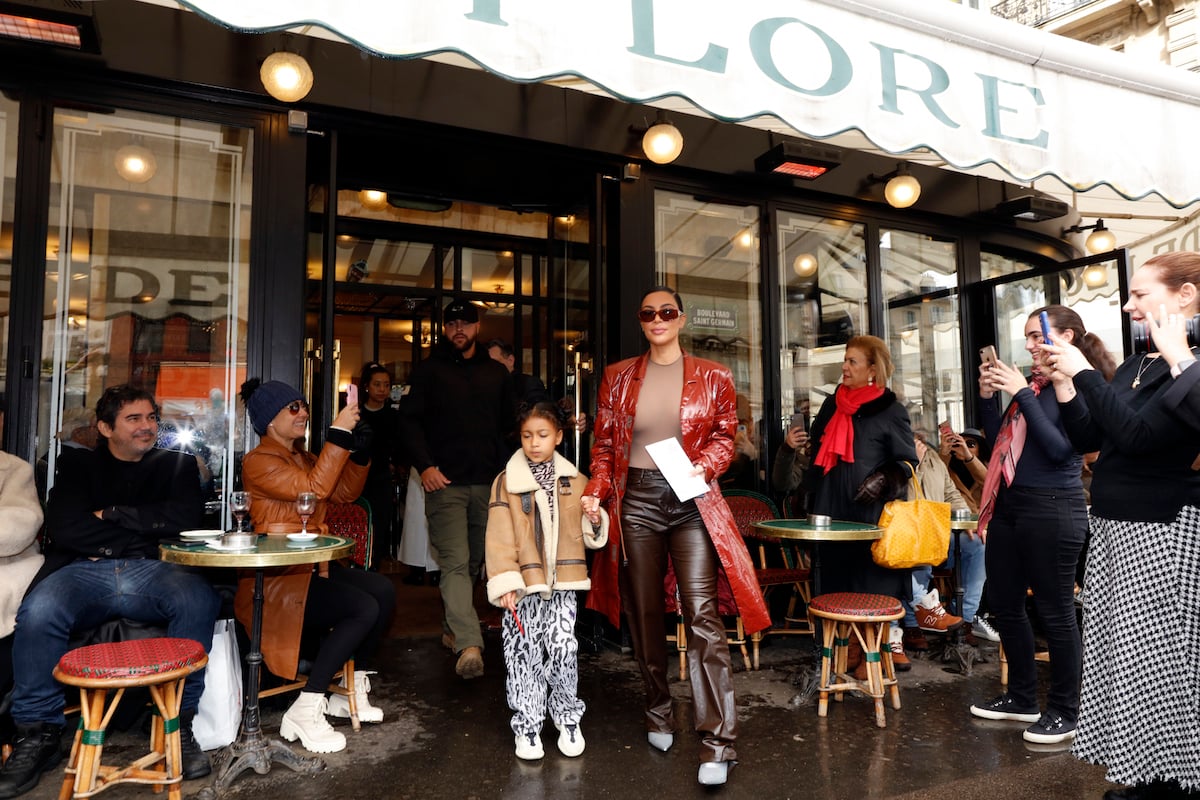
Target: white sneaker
x=339 y=706
x=570 y=740
x=306 y=720
x=529 y=746
x=984 y=630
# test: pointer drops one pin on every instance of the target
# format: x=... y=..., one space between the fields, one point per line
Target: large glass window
x=710 y=253
x=823 y=290
x=146 y=276
x=920 y=293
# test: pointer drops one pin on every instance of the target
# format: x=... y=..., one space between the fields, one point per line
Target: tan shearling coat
x=516 y=560
x=20 y=519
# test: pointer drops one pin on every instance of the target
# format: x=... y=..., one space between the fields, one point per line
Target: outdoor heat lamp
x=799 y=160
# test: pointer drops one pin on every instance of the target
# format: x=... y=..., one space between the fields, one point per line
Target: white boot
x=306 y=720
x=340 y=706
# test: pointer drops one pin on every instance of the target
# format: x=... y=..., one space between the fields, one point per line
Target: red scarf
x=837 y=442
x=1010 y=443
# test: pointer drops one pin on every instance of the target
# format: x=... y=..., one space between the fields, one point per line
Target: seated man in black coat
x=107 y=511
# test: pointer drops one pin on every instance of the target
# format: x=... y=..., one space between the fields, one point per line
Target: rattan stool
x=161 y=665
x=866 y=617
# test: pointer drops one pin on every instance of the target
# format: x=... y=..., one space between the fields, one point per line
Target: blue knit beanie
x=267 y=401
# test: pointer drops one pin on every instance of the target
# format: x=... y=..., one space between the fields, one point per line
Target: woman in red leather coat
x=692 y=400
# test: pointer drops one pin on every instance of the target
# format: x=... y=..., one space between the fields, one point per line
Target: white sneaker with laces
x=570 y=740
x=529 y=746
x=984 y=630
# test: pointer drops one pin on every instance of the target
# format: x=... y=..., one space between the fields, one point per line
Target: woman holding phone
x=1142 y=586
x=1034 y=521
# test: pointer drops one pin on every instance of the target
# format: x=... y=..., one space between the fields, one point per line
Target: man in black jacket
x=453 y=421
x=106 y=514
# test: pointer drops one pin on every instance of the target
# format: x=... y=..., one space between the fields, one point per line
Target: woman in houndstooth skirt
x=1140 y=702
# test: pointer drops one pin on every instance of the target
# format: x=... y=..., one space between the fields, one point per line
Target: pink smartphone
x=352 y=394
x=944 y=429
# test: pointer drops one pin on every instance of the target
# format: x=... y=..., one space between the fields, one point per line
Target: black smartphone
x=1045 y=320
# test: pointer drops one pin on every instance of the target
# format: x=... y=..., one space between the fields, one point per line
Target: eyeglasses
x=296 y=406
x=668 y=314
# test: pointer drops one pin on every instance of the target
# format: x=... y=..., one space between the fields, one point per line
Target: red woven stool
x=867 y=617
x=161 y=665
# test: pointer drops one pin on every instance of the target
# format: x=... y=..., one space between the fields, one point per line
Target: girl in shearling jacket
x=536 y=535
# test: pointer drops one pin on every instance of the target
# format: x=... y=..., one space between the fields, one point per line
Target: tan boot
x=470 y=663
x=306 y=720
x=339 y=706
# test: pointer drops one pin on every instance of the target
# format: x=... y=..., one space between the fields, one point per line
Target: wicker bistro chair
x=353 y=521
x=778 y=563
x=866 y=617
x=162 y=665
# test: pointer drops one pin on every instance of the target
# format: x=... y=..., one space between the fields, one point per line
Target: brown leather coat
x=274 y=476
x=708 y=419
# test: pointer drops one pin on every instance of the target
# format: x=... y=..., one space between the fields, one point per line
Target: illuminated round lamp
x=1100 y=240
x=1095 y=276
x=286 y=76
x=135 y=163
x=804 y=265
x=373 y=199
x=663 y=143
x=903 y=190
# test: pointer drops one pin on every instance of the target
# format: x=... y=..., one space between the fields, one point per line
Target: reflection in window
x=823 y=289
x=9 y=114
x=920 y=293
x=710 y=253
x=146 y=275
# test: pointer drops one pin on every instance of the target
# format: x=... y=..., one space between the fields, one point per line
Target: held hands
x=591 y=507
x=433 y=480
x=1169 y=332
x=796 y=439
x=1000 y=377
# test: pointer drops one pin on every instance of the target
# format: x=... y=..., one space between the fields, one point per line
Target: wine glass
x=239 y=503
x=306 y=504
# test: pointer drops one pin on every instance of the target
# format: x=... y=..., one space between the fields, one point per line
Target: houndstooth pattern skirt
x=1140 y=703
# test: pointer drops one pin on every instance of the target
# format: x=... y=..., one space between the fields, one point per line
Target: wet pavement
x=443 y=737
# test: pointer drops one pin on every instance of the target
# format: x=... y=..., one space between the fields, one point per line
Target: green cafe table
x=251 y=749
x=835 y=531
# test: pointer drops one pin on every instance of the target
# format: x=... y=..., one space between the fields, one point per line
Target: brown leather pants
x=654 y=524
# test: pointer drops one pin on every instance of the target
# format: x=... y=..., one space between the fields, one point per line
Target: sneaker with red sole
x=932 y=617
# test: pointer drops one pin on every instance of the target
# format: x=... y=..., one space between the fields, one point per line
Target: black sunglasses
x=668 y=314
x=296 y=405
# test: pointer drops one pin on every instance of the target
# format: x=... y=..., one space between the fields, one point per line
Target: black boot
x=195 y=761
x=38 y=748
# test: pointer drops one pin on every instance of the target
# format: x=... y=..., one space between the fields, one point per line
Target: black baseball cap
x=460 y=309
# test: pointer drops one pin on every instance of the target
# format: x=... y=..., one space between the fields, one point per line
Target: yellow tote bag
x=915 y=532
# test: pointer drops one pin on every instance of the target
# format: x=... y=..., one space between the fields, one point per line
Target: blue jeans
x=84 y=594
x=974 y=573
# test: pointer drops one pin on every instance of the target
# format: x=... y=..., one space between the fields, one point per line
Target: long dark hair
x=668 y=290
x=1064 y=319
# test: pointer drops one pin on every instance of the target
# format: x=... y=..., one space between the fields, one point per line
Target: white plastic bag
x=220 y=713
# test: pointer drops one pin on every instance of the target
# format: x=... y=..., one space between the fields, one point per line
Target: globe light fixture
x=662 y=143
x=286 y=76
x=135 y=163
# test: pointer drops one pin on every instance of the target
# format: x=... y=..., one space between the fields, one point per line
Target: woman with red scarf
x=861 y=432
x=1033 y=517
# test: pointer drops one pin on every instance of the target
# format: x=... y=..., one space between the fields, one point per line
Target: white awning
x=971 y=87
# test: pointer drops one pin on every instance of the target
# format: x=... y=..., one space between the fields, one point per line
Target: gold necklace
x=1142 y=367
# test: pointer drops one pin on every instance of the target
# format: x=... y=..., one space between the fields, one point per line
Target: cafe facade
x=169 y=223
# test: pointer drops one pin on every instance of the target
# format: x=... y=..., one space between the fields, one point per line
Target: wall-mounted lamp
x=805 y=265
x=902 y=188
x=373 y=199
x=1100 y=240
x=1095 y=276
x=799 y=160
x=135 y=163
x=286 y=76
x=662 y=142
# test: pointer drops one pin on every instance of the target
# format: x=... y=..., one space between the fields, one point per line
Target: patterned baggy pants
x=543 y=663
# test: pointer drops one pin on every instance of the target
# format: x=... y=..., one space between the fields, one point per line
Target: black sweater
x=456 y=415
x=1048 y=460
x=1144 y=471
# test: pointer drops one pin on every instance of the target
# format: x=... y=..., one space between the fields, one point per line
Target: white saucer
x=199 y=534
x=215 y=545
x=302 y=537
x=301 y=545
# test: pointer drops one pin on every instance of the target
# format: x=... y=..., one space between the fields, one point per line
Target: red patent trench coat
x=708 y=419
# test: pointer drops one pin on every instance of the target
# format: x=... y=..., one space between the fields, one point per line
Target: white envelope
x=676 y=467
